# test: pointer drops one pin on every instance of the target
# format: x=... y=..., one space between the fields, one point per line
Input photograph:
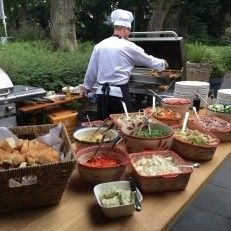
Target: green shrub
x=34 y=63
x=218 y=56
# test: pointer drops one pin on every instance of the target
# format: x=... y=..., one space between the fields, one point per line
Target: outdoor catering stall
x=11 y=94
x=162 y=44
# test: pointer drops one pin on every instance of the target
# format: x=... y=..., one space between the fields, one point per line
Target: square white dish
x=121 y=210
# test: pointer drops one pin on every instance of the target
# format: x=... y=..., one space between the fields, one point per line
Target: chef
x=111 y=63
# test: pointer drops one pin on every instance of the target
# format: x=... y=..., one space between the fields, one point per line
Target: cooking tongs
x=102 y=125
x=133 y=188
x=103 y=132
x=146 y=122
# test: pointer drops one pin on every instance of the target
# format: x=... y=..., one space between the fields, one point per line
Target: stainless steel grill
x=161 y=44
x=11 y=94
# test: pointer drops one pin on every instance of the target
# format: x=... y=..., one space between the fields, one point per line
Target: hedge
x=35 y=64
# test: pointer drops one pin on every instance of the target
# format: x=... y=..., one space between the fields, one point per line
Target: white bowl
x=88 y=131
x=119 y=211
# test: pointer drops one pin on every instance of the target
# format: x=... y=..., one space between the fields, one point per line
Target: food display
x=221 y=111
x=152 y=133
x=102 y=161
x=156 y=136
x=212 y=123
x=159 y=171
x=94 y=138
x=176 y=101
x=165 y=115
x=88 y=136
x=217 y=126
x=25 y=153
x=197 y=145
x=116 y=199
x=155 y=165
x=220 y=108
x=180 y=105
x=112 y=197
x=122 y=119
x=107 y=165
x=194 y=137
x=166 y=73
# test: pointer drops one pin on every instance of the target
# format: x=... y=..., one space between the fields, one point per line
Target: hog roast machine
x=11 y=94
x=161 y=44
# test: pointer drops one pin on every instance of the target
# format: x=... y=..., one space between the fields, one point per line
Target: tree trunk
x=160 y=10
x=63 y=33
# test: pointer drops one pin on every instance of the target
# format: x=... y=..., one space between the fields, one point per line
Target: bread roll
x=8 y=144
x=25 y=146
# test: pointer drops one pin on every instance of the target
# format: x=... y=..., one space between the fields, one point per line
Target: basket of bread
x=35 y=165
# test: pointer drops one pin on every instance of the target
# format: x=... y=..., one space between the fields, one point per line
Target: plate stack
x=224 y=96
x=187 y=89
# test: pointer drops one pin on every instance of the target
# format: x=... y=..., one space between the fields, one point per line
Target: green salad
x=152 y=133
x=220 y=108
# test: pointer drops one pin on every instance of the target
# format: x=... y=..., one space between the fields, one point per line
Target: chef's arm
x=140 y=58
x=91 y=73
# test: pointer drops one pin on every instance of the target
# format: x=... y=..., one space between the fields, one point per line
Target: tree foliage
x=196 y=20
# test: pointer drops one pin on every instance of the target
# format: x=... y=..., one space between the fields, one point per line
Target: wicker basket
x=162 y=183
x=51 y=178
x=198 y=71
x=195 y=152
x=224 y=135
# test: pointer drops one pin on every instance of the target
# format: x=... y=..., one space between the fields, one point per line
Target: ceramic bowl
x=164 y=182
x=118 y=211
x=96 y=175
x=138 y=144
x=87 y=132
x=180 y=105
x=176 y=120
x=222 y=115
x=194 y=152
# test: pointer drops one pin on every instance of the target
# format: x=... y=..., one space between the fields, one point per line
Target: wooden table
x=78 y=208
x=28 y=110
x=39 y=106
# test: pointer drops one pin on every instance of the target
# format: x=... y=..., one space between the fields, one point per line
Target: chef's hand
x=83 y=91
x=166 y=64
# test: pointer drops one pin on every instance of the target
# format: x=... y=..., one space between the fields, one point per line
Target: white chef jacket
x=112 y=61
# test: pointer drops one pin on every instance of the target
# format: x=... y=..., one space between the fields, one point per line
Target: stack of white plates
x=188 y=89
x=224 y=96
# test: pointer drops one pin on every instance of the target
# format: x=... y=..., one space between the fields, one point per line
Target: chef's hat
x=122 y=18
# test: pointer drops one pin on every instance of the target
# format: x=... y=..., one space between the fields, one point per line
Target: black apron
x=125 y=97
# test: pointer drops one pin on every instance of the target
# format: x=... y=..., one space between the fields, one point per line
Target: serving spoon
x=194 y=165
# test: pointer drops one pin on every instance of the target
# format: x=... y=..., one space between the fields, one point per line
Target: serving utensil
x=185 y=121
x=90 y=125
x=117 y=140
x=133 y=188
x=203 y=99
x=195 y=112
x=102 y=125
x=83 y=160
x=194 y=165
x=156 y=94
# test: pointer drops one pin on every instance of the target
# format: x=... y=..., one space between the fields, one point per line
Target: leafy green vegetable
x=152 y=133
x=220 y=108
